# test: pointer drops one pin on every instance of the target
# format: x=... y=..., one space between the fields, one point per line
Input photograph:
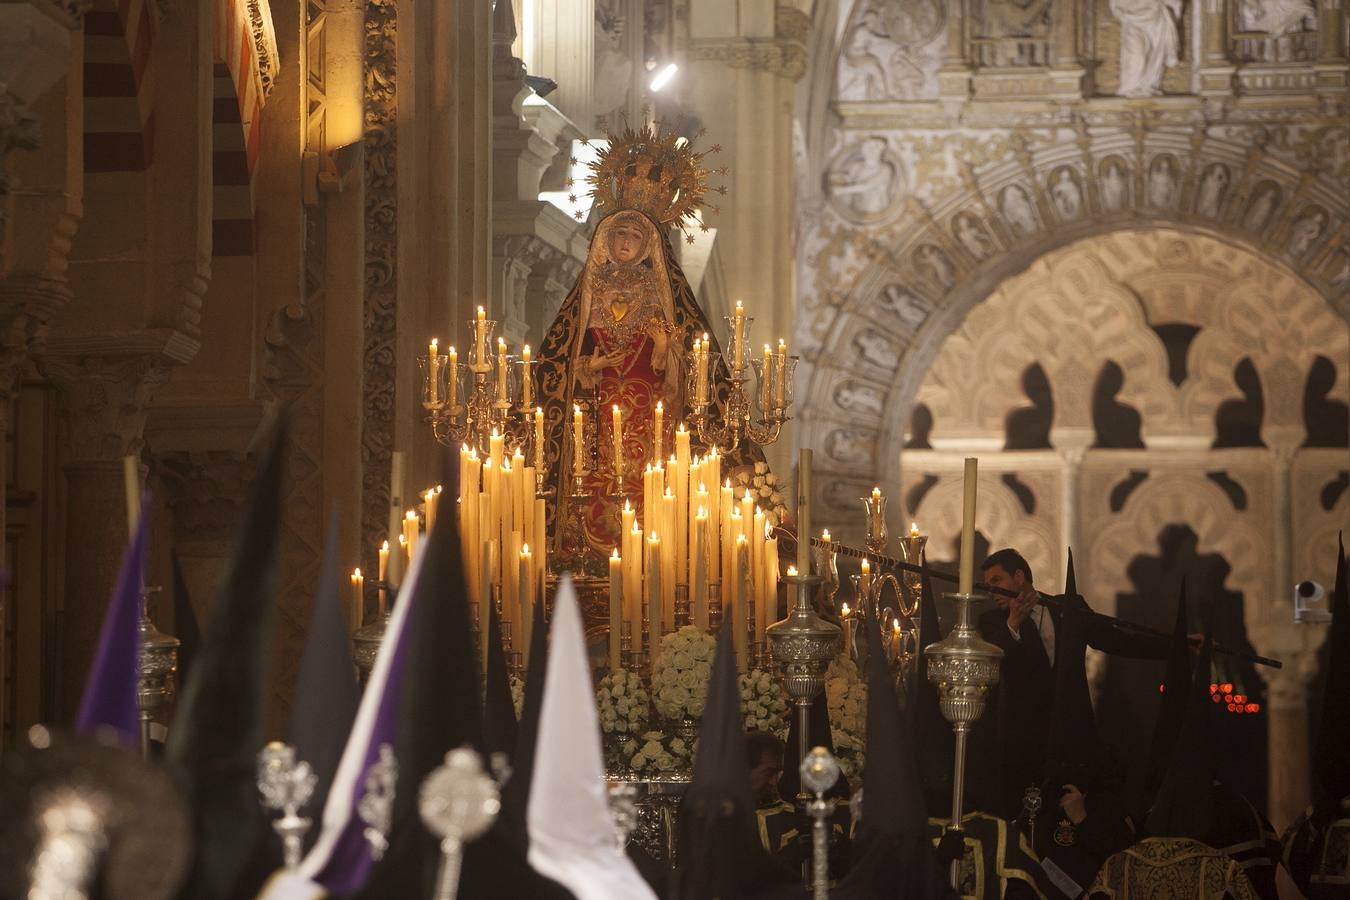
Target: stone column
x=1331 y=31
x=1288 y=786
x=565 y=49
x=954 y=76
x=1066 y=70
x=1216 y=68
x=103 y=404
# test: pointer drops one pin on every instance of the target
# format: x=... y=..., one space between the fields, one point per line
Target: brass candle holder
x=803 y=645
x=963 y=666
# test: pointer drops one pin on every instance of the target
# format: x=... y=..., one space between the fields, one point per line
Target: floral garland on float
x=656 y=754
x=764 y=703
x=681 y=672
x=846 y=699
x=624 y=709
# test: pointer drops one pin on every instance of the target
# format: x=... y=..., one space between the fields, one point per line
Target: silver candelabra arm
x=285 y=785
x=458 y=801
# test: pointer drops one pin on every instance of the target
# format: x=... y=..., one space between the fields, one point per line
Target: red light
x=1213 y=688
x=1227 y=687
x=1216 y=698
x=1232 y=707
x=1253 y=707
x=1162 y=688
x=1227 y=698
x=1239 y=698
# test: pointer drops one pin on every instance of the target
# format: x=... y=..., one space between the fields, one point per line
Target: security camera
x=1308 y=608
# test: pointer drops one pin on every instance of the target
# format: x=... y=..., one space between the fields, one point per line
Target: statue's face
x=625 y=242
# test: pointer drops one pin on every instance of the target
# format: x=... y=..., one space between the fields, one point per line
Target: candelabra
x=156 y=669
x=775 y=375
x=458 y=801
x=803 y=645
x=469 y=403
x=286 y=785
x=963 y=666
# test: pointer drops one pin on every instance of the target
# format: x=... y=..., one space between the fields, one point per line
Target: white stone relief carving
x=1263 y=203
x=613 y=65
x=1149 y=44
x=849 y=447
x=1277 y=17
x=1064 y=191
x=877 y=349
x=855 y=397
x=936 y=265
x=1114 y=184
x=863 y=183
x=905 y=305
x=1017 y=209
x=1012 y=33
x=1213 y=185
x=1162 y=180
x=892 y=51
x=1307 y=229
x=967 y=229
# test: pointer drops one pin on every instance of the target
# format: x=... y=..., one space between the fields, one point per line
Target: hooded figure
x=1173 y=860
x=1146 y=778
x=500 y=728
x=1309 y=844
x=1082 y=821
x=891 y=854
x=720 y=851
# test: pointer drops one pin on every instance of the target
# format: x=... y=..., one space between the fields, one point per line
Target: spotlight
x=663 y=77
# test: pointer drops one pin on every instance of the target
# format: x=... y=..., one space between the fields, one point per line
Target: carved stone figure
x=1213 y=184
x=864 y=182
x=1115 y=186
x=613 y=65
x=861 y=398
x=1149 y=43
x=1307 y=229
x=1012 y=32
x=885 y=54
x=1277 y=17
x=1262 y=205
x=1065 y=194
x=877 y=349
x=972 y=236
x=905 y=305
x=934 y=263
x=848 y=447
x=1162 y=181
x=1017 y=210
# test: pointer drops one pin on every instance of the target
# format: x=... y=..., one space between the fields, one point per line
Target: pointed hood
x=327 y=692
x=1184 y=806
x=185 y=625
x=1071 y=752
x=516 y=793
x=719 y=841
x=1332 y=754
x=571 y=832
x=439 y=711
x=500 y=728
x=110 y=692
x=932 y=733
x=892 y=855
x=213 y=745
x=1171 y=713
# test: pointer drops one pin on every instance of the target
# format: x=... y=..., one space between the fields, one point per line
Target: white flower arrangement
x=764 y=703
x=655 y=753
x=680 y=676
x=517 y=694
x=622 y=703
x=765 y=489
x=846 y=698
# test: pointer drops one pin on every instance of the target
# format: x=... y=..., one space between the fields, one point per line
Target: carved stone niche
x=205 y=491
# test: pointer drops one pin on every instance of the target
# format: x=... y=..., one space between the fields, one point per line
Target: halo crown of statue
x=656 y=172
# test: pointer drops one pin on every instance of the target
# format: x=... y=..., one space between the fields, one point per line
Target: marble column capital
x=1297 y=647
x=104 y=401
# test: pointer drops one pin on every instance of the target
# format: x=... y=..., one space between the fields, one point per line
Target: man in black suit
x=1025 y=628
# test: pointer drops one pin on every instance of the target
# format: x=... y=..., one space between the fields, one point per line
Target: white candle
x=358 y=598
x=480 y=337
x=578 y=440
x=652 y=573
x=699 y=583
x=395 y=514
x=738 y=337
x=454 y=378
x=658 y=428
x=742 y=601
x=131 y=482
x=617 y=423
x=539 y=439
x=615 y=609
x=501 y=369
x=780 y=375
x=526 y=382
x=766 y=380
x=968 y=526
x=433 y=363
x=804 y=511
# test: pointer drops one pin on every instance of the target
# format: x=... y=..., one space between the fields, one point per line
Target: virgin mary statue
x=621 y=340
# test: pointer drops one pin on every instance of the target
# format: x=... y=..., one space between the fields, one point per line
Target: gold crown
x=655 y=172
